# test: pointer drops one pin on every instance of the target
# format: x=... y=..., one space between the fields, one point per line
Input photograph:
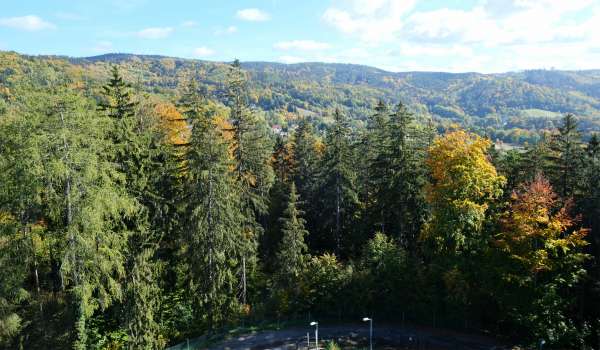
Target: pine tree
x=139 y=153
x=214 y=222
x=374 y=169
x=400 y=167
x=590 y=201
x=291 y=256
x=254 y=174
x=338 y=181
x=566 y=157
x=86 y=206
x=283 y=166
x=307 y=159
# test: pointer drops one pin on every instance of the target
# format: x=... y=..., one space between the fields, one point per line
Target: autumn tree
x=544 y=256
x=464 y=183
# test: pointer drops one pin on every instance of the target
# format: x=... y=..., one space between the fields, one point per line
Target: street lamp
x=542 y=343
x=365 y=319
x=316 y=325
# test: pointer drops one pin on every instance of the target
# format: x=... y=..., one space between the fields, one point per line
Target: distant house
x=278 y=130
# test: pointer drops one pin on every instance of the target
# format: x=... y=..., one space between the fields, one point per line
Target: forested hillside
x=146 y=200
x=512 y=107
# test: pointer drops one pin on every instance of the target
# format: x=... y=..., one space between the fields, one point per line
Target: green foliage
x=292 y=254
x=214 y=225
x=338 y=184
x=566 y=157
x=127 y=222
x=464 y=183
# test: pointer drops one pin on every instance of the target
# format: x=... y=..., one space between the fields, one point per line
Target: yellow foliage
x=175 y=125
x=464 y=181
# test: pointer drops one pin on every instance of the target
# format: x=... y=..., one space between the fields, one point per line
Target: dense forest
x=147 y=200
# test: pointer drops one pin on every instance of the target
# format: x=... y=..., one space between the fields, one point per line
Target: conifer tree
x=138 y=152
x=86 y=207
x=374 y=168
x=254 y=174
x=283 y=166
x=338 y=182
x=400 y=196
x=214 y=224
x=307 y=159
x=566 y=157
x=291 y=257
x=590 y=201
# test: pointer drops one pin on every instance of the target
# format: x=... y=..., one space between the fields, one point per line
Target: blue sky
x=397 y=35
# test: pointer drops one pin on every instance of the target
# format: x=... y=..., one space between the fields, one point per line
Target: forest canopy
x=146 y=200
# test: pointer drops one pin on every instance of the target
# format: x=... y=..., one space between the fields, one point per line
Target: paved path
x=355 y=336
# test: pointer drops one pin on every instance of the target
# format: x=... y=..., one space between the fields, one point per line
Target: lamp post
x=542 y=343
x=316 y=325
x=365 y=319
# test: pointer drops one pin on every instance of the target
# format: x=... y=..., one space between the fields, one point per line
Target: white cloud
x=228 y=30
x=435 y=50
x=103 y=47
x=189 y=24
x=29 y=23
x=253 y=15
x=487 y=36
x=291 y=59
x=526 y=21
x=372 y=21
x=203 y=51
x=303 y=45
x=155 y=32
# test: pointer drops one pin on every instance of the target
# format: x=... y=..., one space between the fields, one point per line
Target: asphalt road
x=354 y=337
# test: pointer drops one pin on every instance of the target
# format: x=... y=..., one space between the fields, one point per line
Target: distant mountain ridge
x=515 y=106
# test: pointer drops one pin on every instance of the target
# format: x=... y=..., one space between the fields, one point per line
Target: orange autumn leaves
x=177 y=129
x=536 y=228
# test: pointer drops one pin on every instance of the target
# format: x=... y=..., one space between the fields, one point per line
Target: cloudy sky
x=397 y=35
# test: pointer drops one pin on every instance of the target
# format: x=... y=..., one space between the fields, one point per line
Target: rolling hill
x=515 y=106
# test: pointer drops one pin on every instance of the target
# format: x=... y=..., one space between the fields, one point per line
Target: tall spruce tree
x=374 y=170
x=215 y=220
x=401 y=198
x=338 y=183
x=291 y=257
x=307 y=159
x=566 y=157
x=138 y=153
x=254 y=174
x=283 y=166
